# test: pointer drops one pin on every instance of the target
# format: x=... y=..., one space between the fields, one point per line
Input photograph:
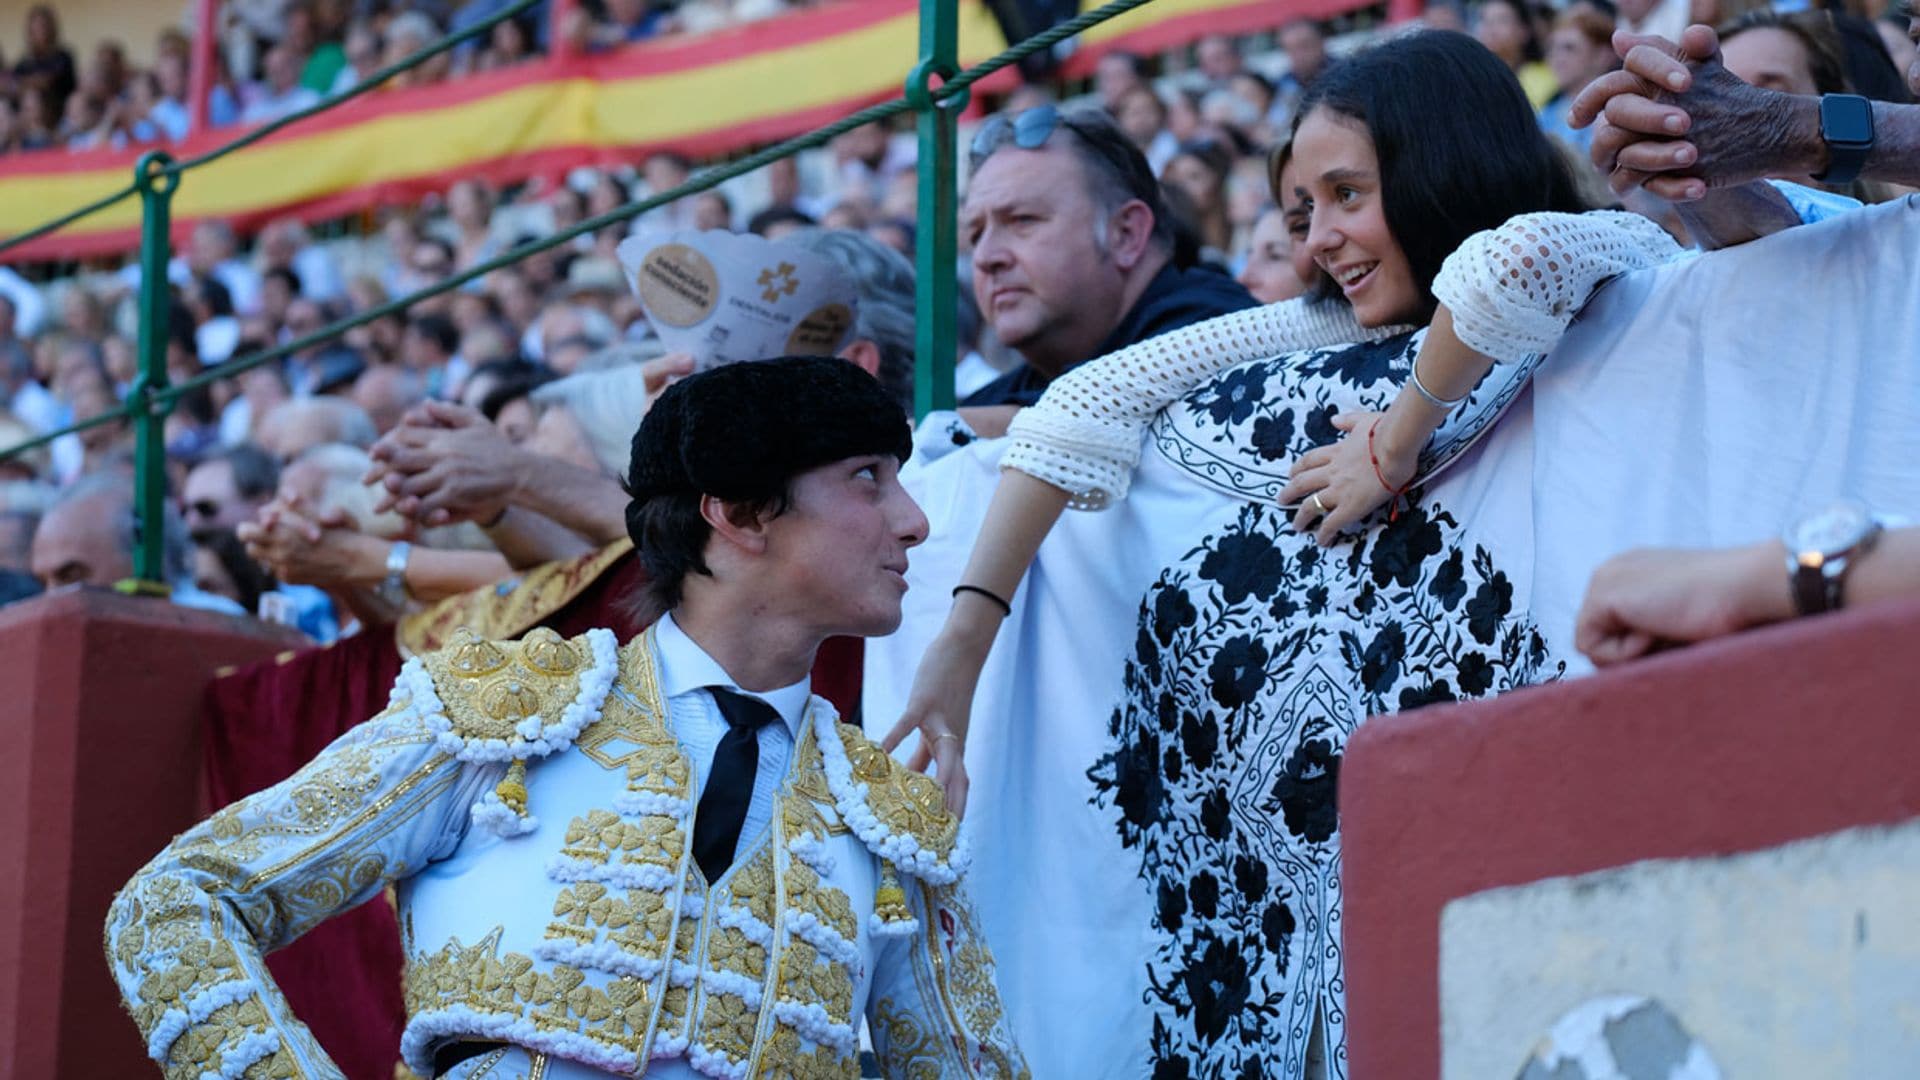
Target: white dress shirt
x=696 y=721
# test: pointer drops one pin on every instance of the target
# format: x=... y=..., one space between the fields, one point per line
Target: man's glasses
x=204 y=508
x=1029 y=130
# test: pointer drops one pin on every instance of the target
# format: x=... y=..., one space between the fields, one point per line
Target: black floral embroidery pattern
x=1258 y=655
x=1215 y=425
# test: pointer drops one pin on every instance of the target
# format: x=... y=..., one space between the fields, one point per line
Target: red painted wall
x=100 y=722
x=1737 y=745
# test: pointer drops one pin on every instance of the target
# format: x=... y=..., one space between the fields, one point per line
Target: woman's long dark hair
x=1459 y=148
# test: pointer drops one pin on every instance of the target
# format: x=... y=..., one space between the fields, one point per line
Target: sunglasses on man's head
x=1028 y=130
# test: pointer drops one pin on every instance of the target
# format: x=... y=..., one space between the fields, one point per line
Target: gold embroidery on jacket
x=560 y=999
x=487 y=688
x=905 y=1048
x=905 y=801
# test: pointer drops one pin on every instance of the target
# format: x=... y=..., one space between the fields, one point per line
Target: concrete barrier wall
x=1497 y=874
x=100 y=704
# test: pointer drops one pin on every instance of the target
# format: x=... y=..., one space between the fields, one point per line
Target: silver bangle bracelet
x=1433 y=399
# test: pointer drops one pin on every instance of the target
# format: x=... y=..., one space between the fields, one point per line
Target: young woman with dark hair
x=1190 y=664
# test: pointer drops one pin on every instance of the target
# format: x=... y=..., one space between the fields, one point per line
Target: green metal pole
x=936 y=248
x=149 y=412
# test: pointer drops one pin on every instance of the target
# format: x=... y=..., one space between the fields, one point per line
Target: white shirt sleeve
x=1083 y=435
x=1513 y=290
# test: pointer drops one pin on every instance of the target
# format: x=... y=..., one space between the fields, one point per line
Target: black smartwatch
x=1846 y=126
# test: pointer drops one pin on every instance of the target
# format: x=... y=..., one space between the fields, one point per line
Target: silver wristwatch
x=1821 y=548
x=393 y=590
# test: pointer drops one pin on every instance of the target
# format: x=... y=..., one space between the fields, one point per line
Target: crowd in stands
x=276 y=57
x=554 y=351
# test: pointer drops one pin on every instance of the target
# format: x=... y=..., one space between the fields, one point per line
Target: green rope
x=67 y=219
x=404 y=64
x=705 y=180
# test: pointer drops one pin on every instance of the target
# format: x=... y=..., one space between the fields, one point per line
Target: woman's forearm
x=1449 y=369
x=1021 y=514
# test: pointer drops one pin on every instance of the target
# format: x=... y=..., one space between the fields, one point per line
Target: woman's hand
x=940 y=707
x=1337 y=485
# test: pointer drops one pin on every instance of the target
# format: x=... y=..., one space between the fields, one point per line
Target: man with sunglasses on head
x=1073 y=248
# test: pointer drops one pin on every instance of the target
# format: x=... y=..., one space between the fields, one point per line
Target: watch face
x=1846 y=119
x=1832 y=530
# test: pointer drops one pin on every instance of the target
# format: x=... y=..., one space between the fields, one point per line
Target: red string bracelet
x=1393 y=494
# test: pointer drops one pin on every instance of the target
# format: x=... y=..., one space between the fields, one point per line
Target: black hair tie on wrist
x=1005 y=608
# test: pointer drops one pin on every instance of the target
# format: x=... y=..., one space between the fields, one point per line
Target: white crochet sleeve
x=1084 y=434
x=1513 y=290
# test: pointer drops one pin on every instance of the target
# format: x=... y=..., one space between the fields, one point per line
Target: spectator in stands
x=228 y=488
x=1072 y=248
x=711 y=210
x=279 y=92
x=430 y=345
x=1305 y=44
x=1118 y=74
x=279 y=288
x=507 y=44
x=1793 y=54
x=470 y=206
x=321 y=58
x=408 y=33
x=295 y=427
x=1143 y=116
x=212 y=249
x=169 y=111
x=1218 y=58
x=89 y=537
x=324 y=366
x=284 y=244
x=362 y=53
x=221 y=567
x=1506 y=28
x=1199 y=170
x=1579 y=50
x=386 y=392
x=882 y=339
x=105 y=76
x=627 y=20
x=45 y=68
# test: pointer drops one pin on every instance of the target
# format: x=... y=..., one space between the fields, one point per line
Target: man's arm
x=934 y=1008
x=186 y=939
x=455 y=466
x=1675 y=121
x=1654 y=596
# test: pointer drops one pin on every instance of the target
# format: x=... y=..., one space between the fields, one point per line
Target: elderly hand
x=1643 y=599
x=1337 y=484
x=1677 y=123
x=446 y=463
x=305 y=549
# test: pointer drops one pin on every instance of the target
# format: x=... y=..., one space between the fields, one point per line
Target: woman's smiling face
x=1338 y=176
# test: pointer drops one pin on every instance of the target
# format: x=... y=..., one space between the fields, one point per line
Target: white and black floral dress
x=1207 y=663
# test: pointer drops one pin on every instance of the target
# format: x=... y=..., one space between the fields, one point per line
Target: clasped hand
x=1338 y=485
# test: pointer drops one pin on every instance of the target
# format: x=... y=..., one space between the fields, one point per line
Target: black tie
x=723 y=805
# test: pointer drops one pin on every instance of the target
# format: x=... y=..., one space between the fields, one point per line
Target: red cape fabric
x=266 y=720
